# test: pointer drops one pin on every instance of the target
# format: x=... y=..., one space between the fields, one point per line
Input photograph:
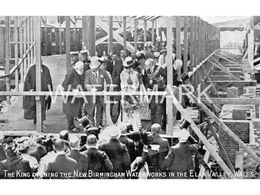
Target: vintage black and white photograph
x=129 y=97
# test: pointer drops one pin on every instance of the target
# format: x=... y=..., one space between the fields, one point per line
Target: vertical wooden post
x=192 y=42
x=145 y=31
x=25 y=44
x=67 y=39
x=21 y=48
x=16 y=52
x=60 y=42
x=199 y=40
x=38 y=73
x=32 y=38
x=135 y=34
x=169 y=105
x=178 y=37
x=84 y=31
x=160 y=35
x=186 y=47
x=7 y=54
x=124 y=32
x=28 y=40
x=92 y=36
x=110 y=35
x=153 y=32
x=196 y=50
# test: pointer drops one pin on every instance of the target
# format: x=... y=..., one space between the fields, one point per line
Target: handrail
x=20 y=62
x=198 y=66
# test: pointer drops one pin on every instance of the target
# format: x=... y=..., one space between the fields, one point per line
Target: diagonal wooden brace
x=224 y=127
x=201 y=136
x=221 y=67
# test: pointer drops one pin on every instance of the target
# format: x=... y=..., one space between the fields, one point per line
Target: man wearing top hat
x=74 y=57
x=72 y=82
x=95 y=80
x=84 y=57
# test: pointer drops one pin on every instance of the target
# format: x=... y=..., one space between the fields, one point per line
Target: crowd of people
x=117 y=151
x=142 y=71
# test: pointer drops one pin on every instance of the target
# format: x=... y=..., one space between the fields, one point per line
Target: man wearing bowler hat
x=95 y=80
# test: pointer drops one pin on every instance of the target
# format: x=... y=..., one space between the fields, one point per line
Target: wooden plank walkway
x=56 y=119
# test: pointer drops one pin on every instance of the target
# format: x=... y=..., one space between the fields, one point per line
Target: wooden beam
x=186 y=46
x=124 y=32
x=215 y=63
x=7 y=54
x=135 y=34
x=28 y=41
x=210 y=81
x=24 y=44
x=224 y=127
x=118 y=38
x=16 y=52
x=67 y=43
x=200 y=135
x=229 y=164
x=169 y=105
x=192 y=42
x=196 y=49
x=92 y=36
x=110 y=34
x=21 y=49
x=178 y=37
x=84 y=31
x=153 y=38
x=38 y=73
x=145 y=31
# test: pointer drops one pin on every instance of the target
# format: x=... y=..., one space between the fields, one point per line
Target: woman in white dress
x=130 y=81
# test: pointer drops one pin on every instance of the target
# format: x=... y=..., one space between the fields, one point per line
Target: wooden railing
x=24 y=42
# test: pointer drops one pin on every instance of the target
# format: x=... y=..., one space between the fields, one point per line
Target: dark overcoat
x=98 y=160
x=29 y=103
x=118 y=155
x=73 y=80
x=81 y=158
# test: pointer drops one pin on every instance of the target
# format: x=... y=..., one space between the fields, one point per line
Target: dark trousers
x=156 y=111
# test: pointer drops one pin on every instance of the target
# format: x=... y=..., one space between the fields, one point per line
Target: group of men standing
x=95 y=73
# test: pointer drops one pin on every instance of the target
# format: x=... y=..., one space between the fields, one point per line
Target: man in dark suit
x=95 y=80
x=127 y=141
x=180 y=157
x=116 y=151
x=155 y=78
x=74 y=81
x=39 y=150
x=98 y=160
x=159 y=149
x=81 y=158
x=15 y=164
x=117 y=68
x=63 y=166
x=2 y=152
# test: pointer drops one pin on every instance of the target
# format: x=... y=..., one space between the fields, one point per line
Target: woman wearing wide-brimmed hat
x=130 y=81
